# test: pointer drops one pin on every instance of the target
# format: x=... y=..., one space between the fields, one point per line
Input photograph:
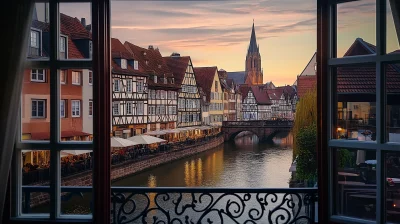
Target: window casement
x=63 y=76
x=140 y=108
x=124 y=64
x=140 y=86
x=90 y=108
x=63 y=47
x=115 y=108
x=155 y=78
x=152 y=110
x=116 y=85
x=38 y=75
x=75 y=108
x=62 y=108
x=90 y=77
x=129 y=108
x=76 y=77
x=34 y=43
x=38 y=108
x=135 y=65
x=129 y=85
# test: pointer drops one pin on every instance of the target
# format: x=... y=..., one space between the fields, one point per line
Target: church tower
x=253 y=72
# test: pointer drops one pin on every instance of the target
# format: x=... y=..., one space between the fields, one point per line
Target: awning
x=190 y=128
x=205 y=128
x=171 y=131
x=121 y=142
x=64 y=134
x=65 y=153
x=146 y=139
x=156 y=132
x=182 y=129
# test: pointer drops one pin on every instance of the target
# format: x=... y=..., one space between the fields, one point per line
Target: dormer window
x=35 y=43
x=147 y=62
x=155 y=79
x=159 y=66
x=123 y=64
x=63 y=47
x=172 y=80
x=136 y=65
x=165 y=80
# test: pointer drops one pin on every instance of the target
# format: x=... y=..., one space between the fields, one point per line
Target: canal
x=244 y=163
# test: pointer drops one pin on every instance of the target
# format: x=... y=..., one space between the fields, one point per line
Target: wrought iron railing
x=203 y=205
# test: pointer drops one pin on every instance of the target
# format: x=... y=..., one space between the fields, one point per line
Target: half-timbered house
x=163 y=90
x=189 y=111
x=207 y=78
x=129 y=92
x=249 y=105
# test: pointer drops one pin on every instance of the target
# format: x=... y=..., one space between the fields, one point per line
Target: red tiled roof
x=178 y=66
x=305 y=83
x=155 y=65
x=118 y=50
x=360 y=47
x=64 y=134
x=261 y=95
x=204 y=78
x=73 y=28
x=244 y=89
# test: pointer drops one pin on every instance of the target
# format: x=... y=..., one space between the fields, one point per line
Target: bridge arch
x=233 y=135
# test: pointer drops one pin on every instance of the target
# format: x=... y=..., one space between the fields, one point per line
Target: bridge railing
x=203 y=205
x=259 y=123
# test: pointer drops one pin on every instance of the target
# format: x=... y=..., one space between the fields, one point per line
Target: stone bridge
x=264 y=129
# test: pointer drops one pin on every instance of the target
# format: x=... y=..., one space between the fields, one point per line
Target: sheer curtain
x=15 y=17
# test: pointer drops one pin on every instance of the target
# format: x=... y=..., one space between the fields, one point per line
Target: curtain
x=15 y=17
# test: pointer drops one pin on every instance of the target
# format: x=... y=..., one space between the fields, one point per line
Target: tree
x=306 y=163
x=306 y=115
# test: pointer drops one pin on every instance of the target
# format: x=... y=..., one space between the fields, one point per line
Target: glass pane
x=76 y=170
x=76 y=106
x=76 y=31
x=393 y=103
x=355 y=183
x=356 y=28
x=35 y=173
x=393 y=26
x=35 y=108
x=392 y=175
x=356 y=108
x=38 y=41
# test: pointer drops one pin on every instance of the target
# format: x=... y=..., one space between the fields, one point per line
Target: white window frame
x=74 y=81
x=129 y=106
x=75 y=109
x=115 y=108
x=36 y=39
x=90 y=77
x=129 y=85
x=124 y=63
x=116 y=85
x=140 y=108
x=63 y=73
x=64 y=46
x=62 y=108
x=36 y=73
x=90 y=109
x=36 y=101
x=135 y=65
x=140 y=86
x=155 y=79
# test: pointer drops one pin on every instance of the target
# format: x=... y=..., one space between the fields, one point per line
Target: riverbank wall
x=123 y=170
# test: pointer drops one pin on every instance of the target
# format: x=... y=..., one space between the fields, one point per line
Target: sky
x=217 y=33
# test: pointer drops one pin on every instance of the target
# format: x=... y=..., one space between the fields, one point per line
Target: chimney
x=175 y=54
x=151 y=47
x=83 y=21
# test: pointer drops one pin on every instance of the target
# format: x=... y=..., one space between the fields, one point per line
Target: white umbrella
x=74 y=152
x=156 y=132
x=171 y=131
x=146 y=139
x=121 y=142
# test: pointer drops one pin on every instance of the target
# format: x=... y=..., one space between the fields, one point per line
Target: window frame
x=115 y=89
x=90 y=108
x=129 y=81
x=116 y=105
x=63 y=72
x=124 y=63
x=101 y=65
x=79 y=108
x=37 y=75
x=129 y=107
x=327 y=62
x=65 y=50
x=73 y=81
x=37 y=108
x=90 y=78
x=63 y=106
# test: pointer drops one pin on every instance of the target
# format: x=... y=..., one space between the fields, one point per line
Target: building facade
x=189 y=106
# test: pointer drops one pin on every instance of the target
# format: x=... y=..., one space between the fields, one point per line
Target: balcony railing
x=201 y=205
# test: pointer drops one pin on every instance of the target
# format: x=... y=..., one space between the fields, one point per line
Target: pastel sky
x=217 y=33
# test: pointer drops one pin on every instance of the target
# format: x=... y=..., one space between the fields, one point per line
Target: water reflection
x=243 y=163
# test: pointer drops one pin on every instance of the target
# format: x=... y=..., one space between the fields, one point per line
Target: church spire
x=253 y=47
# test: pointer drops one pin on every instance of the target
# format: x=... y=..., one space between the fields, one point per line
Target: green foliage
x=345 y=158
x=306 y=115
x=306 y=165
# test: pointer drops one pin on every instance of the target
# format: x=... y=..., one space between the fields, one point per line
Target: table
x=345 y=174
x=350 y=183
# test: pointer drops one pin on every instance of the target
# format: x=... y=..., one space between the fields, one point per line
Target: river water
x=244 y=163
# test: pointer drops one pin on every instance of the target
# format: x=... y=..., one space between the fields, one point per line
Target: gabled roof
x=204 y=79
x=178 y=66
x=261 y=95
x=360 y=47
x=238 y=77
x=119 y=51
x=305 y=83
x=244 y=89
x=275 y=94
x=313 y=59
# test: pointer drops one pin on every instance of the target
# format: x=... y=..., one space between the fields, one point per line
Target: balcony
x=200 y=205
